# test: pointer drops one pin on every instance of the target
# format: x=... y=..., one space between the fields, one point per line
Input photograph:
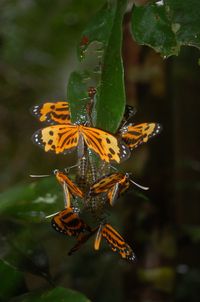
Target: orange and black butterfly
x=114 y=185
x=69 y=223
x=115 y=241
x=53 y=113
x=135 y=135
x=69 y=188
x=65 y=138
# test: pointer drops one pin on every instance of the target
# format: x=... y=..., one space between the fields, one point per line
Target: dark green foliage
x=166 y=27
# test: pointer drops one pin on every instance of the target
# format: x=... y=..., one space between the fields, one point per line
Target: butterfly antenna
x=139 y=186
x=42 y=175
x=71 y=167
x=51 y=215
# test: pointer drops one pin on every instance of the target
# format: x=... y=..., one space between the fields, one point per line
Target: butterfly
x=82 y=238
x=135 y=135
x=69 y=223
x=115 y=241
x=69 y=188
x=64 y=138
x=114 y=185
x=52 y=113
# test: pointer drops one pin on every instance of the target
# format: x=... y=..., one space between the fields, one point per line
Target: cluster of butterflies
x=94 y=187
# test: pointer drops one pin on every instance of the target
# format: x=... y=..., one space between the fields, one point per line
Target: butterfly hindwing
x=69 y=223
x=52 y=113
x=135 y=135
x=81 y=239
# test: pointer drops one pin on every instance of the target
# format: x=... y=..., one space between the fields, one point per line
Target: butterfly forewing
x=135 y=135
x=57 y=138
x=64 y=138
x=108 y=184
x=117 y=243
x=52 y=113
x=105 y=145
x=64 y=179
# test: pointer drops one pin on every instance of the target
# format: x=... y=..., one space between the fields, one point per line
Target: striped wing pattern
x=64 y=179
x=135 y=135
x=69 y=223
x=115 y=241
x=114 y=184
x=53 y=113
x=64 y=138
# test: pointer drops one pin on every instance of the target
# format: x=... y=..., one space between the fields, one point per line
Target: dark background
x=38 y=42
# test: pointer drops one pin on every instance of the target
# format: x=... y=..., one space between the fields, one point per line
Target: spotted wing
x=135 y=135
x=64 y=180
x=57 y=138
x=117 y=243
x=107 y=146
x=69 y=223
x=52 y=113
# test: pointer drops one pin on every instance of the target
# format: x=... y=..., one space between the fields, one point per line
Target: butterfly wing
x=107 y=146
x=135 y=135
x=105 y=183
x=117 y=243
x=65 y=180
x=52 y=113
x=82 y=238
x=69 y=223
x=57 y=138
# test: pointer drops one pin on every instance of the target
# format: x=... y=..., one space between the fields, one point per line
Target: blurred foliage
x=167 y=25
x=57 y=294
x=37 y=54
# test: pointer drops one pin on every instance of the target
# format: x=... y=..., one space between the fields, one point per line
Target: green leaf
x=166 y=27
x=77 y=96
x=21 y=251
x=56 y=294
x=32 y=202
x=97 y=30
x=111 y=95
x=11 y=280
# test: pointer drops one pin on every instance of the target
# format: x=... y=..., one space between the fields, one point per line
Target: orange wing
x=64 y=138
x=57 y=138
x=53 y=113
x=107 y=146
x=113 y=184
x=135 y=135
x=115 y=241
x=64 y=179
x=69 y=223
